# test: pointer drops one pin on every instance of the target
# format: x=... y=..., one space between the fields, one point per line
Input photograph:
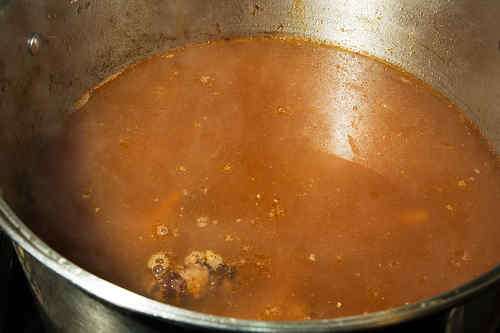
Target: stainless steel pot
x=52 y=51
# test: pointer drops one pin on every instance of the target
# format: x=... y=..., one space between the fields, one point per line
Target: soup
x=274 y=179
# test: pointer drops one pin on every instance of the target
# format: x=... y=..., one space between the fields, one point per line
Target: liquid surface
x=330 y=183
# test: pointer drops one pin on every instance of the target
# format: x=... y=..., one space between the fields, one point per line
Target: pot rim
x=131 y=301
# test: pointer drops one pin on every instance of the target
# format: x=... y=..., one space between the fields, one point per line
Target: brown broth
x=333 y=183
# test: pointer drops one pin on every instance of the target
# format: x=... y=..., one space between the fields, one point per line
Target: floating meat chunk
x=207 y=258
x=159 y=258
x=201 y=272
x=173 y=284
x=197 y=279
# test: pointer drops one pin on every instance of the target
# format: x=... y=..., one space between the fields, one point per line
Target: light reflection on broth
x=312 y=182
